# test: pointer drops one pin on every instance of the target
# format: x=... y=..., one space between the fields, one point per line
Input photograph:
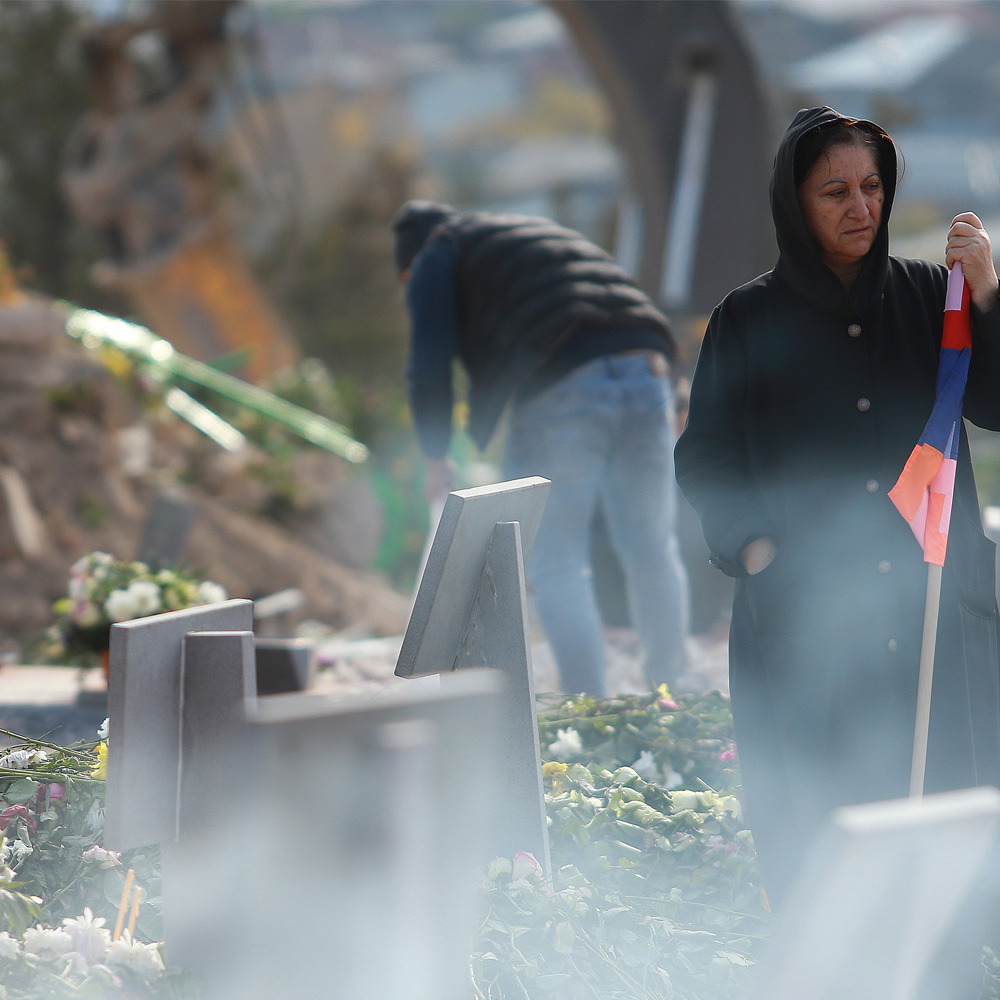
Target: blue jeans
x=604 y=434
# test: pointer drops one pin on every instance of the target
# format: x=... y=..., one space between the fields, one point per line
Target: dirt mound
x=81 y=459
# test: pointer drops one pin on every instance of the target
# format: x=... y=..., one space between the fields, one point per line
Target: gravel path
x=65 y=705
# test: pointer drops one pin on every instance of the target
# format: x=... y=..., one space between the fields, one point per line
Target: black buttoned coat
x=805 y=405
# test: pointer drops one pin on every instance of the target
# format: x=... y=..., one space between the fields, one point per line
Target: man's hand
x=969 y=244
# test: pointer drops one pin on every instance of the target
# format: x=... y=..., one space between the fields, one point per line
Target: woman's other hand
x=969 y=244
x=758 y=555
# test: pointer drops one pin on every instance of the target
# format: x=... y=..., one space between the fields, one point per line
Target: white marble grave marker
x=347 y=868
x=471 y=610
x=880 y=887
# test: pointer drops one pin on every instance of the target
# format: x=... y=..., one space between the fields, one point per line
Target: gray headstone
x=498 y=636
x=218 y=688
x=450 y=579
x=879 y=890
x=144 y=709
x=347 y=864
x=166 y=530
x=471 y=610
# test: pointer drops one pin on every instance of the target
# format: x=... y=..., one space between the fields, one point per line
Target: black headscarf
x=800 y=262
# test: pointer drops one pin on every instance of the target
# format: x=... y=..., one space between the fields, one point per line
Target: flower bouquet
x=104 y=590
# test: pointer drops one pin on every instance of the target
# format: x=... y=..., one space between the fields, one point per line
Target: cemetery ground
x=653 y=891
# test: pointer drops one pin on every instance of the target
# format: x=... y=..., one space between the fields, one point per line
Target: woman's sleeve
x=982 y=391
x=711 y=455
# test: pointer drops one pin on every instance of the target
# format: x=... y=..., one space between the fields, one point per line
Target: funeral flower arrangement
x=76 y=919
x=103 y=590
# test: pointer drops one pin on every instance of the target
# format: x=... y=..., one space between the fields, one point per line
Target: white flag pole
x=955 y=299
x=925 y=681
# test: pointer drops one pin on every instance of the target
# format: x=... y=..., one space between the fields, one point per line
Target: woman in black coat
x=813 y=385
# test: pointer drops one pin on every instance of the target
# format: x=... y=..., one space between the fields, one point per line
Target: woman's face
x=841 y=199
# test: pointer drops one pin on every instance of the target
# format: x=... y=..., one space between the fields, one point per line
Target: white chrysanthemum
x=146 y=597
x=566 y=744
x=210 y=592
x=47 y=942
x=120 y=606
x=90 y=937
x=102 y=732
x=20 y=759
x=142 y=959
x=646 y=767
x=10 y=947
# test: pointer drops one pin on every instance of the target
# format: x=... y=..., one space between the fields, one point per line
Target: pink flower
x=12 y=812
x=728 y=755
x=50 y=793
x=525 y=865
x=105 y=858
x=667 y=704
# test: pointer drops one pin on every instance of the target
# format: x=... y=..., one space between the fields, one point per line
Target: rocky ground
x=83 y=452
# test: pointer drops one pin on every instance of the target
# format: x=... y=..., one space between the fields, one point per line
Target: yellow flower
x=100 y=769
x=663 y=691
x=554 y=770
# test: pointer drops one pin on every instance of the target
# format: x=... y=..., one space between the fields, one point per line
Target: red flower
x=12 y=812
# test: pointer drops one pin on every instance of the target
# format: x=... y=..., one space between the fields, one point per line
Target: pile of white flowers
x=81 y=946
x=103 y=590
x=137 y=590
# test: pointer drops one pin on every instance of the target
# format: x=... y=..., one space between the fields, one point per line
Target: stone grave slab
x=471 y=610
x=284 y=665
x=166 y=529
x=144 y=706
x=344 y=864
x=879 y=890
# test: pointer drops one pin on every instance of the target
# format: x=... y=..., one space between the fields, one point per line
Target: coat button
x=871 y=485
x=884 y=565
x=893 y=645
x=864 y=404
x=854 y=330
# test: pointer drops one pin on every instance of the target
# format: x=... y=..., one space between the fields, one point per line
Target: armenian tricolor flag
x=925 y=488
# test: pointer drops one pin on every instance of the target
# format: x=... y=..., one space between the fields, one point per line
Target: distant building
x=929 y=73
